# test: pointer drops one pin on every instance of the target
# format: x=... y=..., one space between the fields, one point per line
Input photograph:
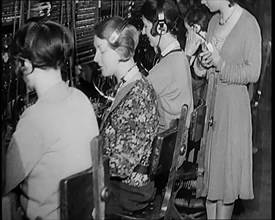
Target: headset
x=116 y=33
x=30 y=35
x=160 y=26
x=23 y=64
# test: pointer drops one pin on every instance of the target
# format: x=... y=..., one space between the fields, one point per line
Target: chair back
x=76 y=196
x=171 y=142
x=82 y=195
x=197 y=121
x=196 y=129
x=11 y=209
x=162 y=155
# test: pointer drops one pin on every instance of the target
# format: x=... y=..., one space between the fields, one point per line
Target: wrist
x=220 y=65
x=188 y=52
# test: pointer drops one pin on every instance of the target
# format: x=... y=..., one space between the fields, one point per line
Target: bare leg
x=211 y=207
x=224 y=211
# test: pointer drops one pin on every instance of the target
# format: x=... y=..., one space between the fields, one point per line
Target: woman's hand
x=205 y=59
x=208 y=59
x=215 y=56
x=193 y=42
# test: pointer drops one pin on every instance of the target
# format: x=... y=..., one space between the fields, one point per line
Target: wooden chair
x=11 y=209
x=83 y=195
x=189 y=183
x=185 y=203
x=168 y=146
x=196 y=128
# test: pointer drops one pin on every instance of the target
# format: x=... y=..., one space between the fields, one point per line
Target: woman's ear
x=197 y=28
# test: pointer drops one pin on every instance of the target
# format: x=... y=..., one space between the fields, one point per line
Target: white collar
x=172 y=46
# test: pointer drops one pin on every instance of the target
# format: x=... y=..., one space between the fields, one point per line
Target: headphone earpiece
x=23 y=66
x=160 y=27
x=27 y=67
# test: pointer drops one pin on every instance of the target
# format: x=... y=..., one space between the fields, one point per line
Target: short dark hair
x=198 y=14
x=128 y=35
x=46 y=44
x=151 y=8
x=233 y=1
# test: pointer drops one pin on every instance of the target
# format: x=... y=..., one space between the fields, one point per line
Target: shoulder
x=77 y=93
x=248 y=19
x=143 y=87
x=170 y=63
x=32 y=113
x=77 y=97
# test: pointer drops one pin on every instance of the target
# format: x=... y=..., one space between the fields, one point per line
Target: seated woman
x=52 y=137
x=170 y=77
x=131 y=122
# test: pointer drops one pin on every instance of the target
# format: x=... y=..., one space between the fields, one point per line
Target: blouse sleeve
x=249 y=70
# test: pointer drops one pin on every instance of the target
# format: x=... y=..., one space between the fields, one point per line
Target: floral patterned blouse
x=128 y=132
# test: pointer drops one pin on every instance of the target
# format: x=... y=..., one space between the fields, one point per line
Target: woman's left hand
x=208 y=58
x=205 y=59
x=215 y=56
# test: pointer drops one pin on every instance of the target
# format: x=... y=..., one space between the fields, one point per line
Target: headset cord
x=158 y=53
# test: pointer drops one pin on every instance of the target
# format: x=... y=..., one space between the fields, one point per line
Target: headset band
x=115 y=35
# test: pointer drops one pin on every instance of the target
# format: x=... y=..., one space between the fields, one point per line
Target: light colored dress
x=230 y=169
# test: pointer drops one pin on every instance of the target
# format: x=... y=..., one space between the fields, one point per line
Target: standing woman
x=171 y=76
x=131 y=123
x=236 y=40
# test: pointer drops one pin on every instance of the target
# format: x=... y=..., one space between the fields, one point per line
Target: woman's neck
x=46 y=80
x=124 y=68
x=226 y=12
x=166 y=41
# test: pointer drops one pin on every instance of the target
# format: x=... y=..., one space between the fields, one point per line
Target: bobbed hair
x=233 y=1
x=198 y=14
x=46 y=44
x=127 y=36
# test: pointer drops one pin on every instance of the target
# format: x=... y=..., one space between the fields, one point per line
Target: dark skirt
x=126 y=198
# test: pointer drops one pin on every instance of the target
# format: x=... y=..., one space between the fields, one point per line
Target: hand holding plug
x=210 y=55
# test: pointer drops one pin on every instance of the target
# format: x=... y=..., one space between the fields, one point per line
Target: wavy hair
x=127 y=37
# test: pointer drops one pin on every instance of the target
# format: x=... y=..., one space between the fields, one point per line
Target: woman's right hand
x=192 y=42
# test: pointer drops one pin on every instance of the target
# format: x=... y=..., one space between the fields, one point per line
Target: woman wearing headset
x=170 y=77
x=52 y=138
x=131 y=122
